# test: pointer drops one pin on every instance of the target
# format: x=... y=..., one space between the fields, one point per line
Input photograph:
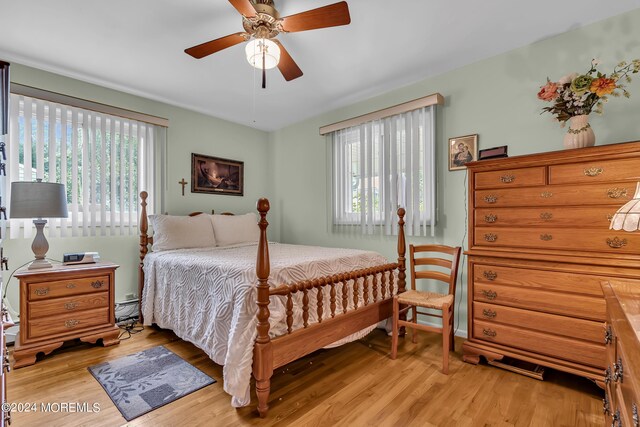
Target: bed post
x=143 y=226
x=402 y=249
x=262 y=351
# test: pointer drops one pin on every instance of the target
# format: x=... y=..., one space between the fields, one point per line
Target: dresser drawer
x=581 y=329
x=559 y=238
x=596 y=171
x=581 y=306
x=550 y=345
x=58 y=306
x=68 y=322
x=627 y=377
x=614 y=194
x=524 y=177
x=62 y=288
x=595 y=217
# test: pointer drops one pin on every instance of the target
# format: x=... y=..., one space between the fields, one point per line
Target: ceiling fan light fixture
x=255 y=50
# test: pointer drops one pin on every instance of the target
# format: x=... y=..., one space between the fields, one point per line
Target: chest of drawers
x=64 y=303
x=539 y=249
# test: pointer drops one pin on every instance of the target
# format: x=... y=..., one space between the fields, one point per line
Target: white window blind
x=384 y=164
x=103 y=160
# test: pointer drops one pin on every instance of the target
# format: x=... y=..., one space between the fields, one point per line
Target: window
x=103 y=160
x=384 y=164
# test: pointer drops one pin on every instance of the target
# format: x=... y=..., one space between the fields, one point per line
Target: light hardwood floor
x=354 y=385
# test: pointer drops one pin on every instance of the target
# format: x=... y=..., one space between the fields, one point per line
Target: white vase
x=579 y=134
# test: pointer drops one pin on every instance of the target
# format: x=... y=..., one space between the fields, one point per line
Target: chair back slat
x=451 y=250
x=435 y=275
x=446 y=263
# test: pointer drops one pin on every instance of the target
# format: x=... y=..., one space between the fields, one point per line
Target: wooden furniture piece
x=412 y=299
x=622 y=338
x=270 y=354
x=5 y=323
x=63 y=303
x=539 y=246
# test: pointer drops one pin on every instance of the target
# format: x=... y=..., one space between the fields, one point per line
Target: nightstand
x=62 y=303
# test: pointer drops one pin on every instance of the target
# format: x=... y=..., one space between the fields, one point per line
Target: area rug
x=141 y=382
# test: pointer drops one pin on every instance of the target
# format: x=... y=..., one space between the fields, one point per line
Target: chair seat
x=425 y=299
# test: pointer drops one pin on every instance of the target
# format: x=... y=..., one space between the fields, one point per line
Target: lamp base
x=39 y=263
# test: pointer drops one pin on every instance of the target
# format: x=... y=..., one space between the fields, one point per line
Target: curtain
x=4 y=98
x=381 y=165
x=103 y=160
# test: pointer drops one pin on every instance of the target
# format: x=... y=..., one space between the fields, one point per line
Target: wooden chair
x=412 y=299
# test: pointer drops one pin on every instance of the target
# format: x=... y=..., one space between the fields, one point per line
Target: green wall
x=188 y=132
x=495 y=98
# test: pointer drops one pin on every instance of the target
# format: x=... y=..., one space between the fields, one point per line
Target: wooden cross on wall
x=183 y=183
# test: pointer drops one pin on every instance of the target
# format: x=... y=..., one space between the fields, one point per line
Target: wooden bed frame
x=270 y=354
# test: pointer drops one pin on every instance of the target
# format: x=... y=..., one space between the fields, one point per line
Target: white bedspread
x=208 y=297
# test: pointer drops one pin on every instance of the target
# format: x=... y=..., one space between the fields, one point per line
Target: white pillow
x=235 y=229
x=180 y=232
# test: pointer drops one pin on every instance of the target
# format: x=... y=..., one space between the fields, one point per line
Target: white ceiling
x=138 y=47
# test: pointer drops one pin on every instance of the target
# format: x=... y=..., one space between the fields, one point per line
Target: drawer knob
x=491 y=198
x=593 y=171
x=71 y=285
x=490 y=218
x=70 y=305
x=507 y=178
x=607 y=375
x=546 y=216
x=608 y=335
x=489 y=294
x=42 y=291
x=634 y=415
x=616 y=243
x=489 y=314
x=489 y=333
x=490 y=275
x=490 y=237
x=71 y=323
x=97 y=284
x=616 y=193
x=618 y=371
x=546 y=194
x=546 y=237
x=605 y=404
x=615 y=420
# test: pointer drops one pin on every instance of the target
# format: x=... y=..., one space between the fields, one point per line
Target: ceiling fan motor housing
x=264 y=24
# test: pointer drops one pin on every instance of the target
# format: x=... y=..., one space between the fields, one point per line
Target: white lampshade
x=628 y=216
x=38 y=200
x=256 y=47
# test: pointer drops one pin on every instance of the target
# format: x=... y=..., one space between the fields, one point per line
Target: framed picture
x=216 y=176
x=462 y=150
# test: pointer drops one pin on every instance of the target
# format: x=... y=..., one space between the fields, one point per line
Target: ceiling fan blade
x=332 y=15
x=213 y=46
x=244 y=7
x=287 y=65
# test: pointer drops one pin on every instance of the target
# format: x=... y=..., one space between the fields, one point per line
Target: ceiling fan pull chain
x=264 y=71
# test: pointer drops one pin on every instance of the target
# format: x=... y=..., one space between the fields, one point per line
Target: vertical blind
x=4 y=98
x=103 y=161
x=384 y=164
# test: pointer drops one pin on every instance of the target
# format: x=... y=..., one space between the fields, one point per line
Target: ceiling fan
x=262 y=23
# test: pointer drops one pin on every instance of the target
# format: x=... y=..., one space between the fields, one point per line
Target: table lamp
x=627 y=218
x=38 y=200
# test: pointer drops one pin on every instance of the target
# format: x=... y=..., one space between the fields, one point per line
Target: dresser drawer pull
x=489 y=294
x=605 y=404
x=70 y=305
x=618 y=371
x=71 y=323
x=42 y=291
x=7 y=417
x=546 y=194
x=546 y=237
x=634 y=415
x=593 y=171
x=490 y=237
x=71 y=285
x=6 y=365
x=489 y=333
x=490 y=275
x=615 y=420
x=616 y=193
x=608 y=335
x=490 y=218
x=97 y=284
x=507 y=178
x=616 y=243
x=489 y=314
x=607 y=375
x=546 y=216
x=491 y=199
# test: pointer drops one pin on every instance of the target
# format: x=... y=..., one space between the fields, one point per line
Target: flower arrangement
x=579 y=94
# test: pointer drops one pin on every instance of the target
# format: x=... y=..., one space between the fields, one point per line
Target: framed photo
x=215 y=175
x=462 y=150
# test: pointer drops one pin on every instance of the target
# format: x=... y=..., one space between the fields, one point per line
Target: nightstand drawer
x=68 y=323
x=63 y=288
x=60 y=306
